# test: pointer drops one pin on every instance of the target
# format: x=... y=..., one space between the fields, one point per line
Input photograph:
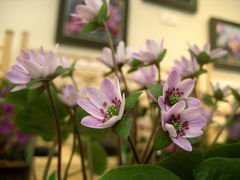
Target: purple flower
x=105 y=107
x=88 y=12
x=30 y=66
x=73 y=26
x=186 y=67
x=23 y=138
x=70 y=96
x=6 y=111
x=213 y=54
x=183 y=123
x=150 y=56
x=122 y=55
x=234 y=45
x=220 y=93
x=175 y=90
x=146 y=77
x=114 y=20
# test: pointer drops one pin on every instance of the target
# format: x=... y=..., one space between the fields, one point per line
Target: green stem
x=152 y=135
x=110 y=42
x=124 y=81
x=149 y=156
x=159 y=73
x=235 y=108
x=49 y=161
x=119 y=151
x=76 y=130
x=57 y=122
x=135 y=154
x=89 y=150
x=74 y=82
x=70 y=158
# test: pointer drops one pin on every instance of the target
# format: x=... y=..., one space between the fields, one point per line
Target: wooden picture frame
x=186 y=5
x=68 y=29
x=223 y=33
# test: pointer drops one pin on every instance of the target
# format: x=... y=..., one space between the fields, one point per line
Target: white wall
x=39 y=17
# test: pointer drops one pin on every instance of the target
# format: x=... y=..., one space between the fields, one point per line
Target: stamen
x=173 y=99
x=112 y=111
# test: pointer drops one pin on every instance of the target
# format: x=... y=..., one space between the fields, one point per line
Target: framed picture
x=187 y=5
x=68 y=31
x=226 y=34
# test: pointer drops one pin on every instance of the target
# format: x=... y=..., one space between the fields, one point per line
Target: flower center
x=173 y=99
x=177 y=125
x=112 y=111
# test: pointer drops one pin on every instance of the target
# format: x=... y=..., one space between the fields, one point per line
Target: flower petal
x=173 y=79
x=19 y=87
x=162 y=104
x=193 y=102
x=92 y=122
x=192 y=132
x=109 y=90
x=171 y=130
x=97 y=98
x=182 y=142
x=90 y=108
x=186 y=87
x=176 y=109
x=33 y=68
x=17 y=78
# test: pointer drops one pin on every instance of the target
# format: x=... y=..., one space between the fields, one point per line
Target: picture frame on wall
x=68 y=28
x=226 y=34
x=186 y=5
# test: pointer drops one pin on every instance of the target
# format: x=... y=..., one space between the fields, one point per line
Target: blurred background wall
x=145 y=20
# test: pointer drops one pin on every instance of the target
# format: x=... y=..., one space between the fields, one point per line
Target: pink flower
x=88 y=12
x=220 y=93
x=175 y=90
x=183 y=123
x=185 y=67
x=123 y=55
x=70 y=96
x=146 y=77
x=213 y=54
x=234 y=45
x=105 y=107
x=150 y=56
x=32 y=65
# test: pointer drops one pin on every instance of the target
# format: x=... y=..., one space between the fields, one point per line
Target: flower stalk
x=57 y=122
x=135 y=154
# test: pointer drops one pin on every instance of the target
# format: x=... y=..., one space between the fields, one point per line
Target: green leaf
x=208 y=100
x=156 y=90
x=131 y=100
x=33 y=82
x=218 y=169
x=225 y=150
x=135 y=64
x=161 y=56
x=195 y=140
x=162 y=140
x=199 y=72
x=122 y=128
x=108 y=73
x=36 y=117
x=2 y=100
x=91 y=26
x=236 y=94
x=139 y=172
x=53 y=176
x=34 y=93
x=203 y=58
x=99 y=157
x=102 y=14
x=182 y=163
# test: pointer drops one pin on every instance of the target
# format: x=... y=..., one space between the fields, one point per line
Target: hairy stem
x=149 y=156
x=70 y=158
x=49 y=161
x=57 y=122
x=152 y=135
x=110 y=42
x=76 y=131
x=135 y=154
x=119 y=151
